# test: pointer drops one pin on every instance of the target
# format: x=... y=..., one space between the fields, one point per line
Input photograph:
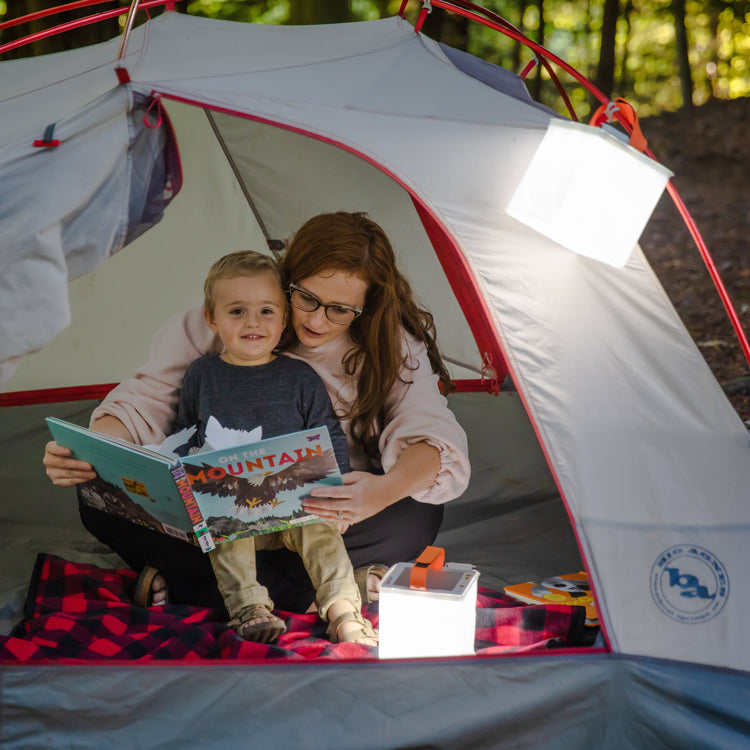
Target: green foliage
x=266 y=11
x=293 y=11
x=646 y=72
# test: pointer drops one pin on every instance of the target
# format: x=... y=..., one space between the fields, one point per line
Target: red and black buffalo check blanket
x=81 y=612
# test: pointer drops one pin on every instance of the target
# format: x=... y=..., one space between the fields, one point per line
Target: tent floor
x=563 y=701
x=510 y=524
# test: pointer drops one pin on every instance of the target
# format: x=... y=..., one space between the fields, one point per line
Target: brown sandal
x=365 y=630
x=144 y=592
x=266 y=631
x=361 y=575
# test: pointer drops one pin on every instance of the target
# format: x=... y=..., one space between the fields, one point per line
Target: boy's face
x=249 y=316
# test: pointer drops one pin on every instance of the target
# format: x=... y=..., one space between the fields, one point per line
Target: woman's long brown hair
x=353 y=243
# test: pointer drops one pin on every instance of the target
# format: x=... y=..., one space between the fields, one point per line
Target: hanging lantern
x=589 y=191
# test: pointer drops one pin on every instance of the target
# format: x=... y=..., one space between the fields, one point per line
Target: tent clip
x=122 y=74
x=607 y=112
x=426 y=10
x=489 y=374
x=277 y=247
x=47 y=141
x=622 y=110
x=155 y=101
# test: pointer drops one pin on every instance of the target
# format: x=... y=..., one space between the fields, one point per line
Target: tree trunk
x=712 y=67
x=383 y=8
x=518 y=48
x=448 y=28
x=624 y=86
x=605 y=74
x=681 y=51
x=587 y=36
x=304 y=12
x=536 y=83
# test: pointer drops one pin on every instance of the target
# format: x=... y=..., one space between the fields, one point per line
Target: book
x=572 y=588
x=209 y=497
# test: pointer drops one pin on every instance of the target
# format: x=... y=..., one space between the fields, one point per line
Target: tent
x=616 y=448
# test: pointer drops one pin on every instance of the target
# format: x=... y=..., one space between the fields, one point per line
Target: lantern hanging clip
x=624 y=112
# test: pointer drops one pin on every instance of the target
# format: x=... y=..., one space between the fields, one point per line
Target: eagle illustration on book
x=252 y=493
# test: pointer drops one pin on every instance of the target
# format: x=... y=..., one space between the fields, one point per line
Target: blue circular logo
x=689 y=584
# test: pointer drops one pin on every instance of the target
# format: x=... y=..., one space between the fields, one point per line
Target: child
x=249 y=385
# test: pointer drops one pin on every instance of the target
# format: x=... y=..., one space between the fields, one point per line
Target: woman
x=355 y=321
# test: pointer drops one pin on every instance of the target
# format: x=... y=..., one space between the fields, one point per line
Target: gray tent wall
x=570 y=700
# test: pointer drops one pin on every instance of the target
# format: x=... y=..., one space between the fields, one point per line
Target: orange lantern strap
x=607 y=112
x=433 y=558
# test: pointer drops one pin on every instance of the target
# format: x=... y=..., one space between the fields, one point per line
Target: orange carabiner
x=608 y=112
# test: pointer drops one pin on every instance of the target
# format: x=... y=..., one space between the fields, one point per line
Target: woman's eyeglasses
x=339 y=314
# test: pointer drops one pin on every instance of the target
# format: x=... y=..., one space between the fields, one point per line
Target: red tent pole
x=489 y=19
x=51 y=12
x=712 y=270
x=62 y=28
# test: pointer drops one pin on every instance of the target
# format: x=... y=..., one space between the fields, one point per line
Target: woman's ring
x=341 y=515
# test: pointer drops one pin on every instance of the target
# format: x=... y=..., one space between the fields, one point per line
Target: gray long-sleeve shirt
x=282 y=396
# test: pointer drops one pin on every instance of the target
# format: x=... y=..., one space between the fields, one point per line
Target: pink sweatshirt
x=415 y=411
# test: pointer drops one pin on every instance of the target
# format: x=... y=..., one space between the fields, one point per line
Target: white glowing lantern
x=439 y=620
x=588 y=191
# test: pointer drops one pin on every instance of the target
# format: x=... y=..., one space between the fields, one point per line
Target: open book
x=572 y=588
x=208 y=497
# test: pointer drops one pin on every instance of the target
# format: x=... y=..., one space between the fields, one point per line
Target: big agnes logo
x=689 y=584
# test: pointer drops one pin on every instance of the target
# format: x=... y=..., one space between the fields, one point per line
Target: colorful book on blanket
x=208 y=497
x=572 y=588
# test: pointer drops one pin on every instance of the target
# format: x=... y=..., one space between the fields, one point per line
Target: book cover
x=258 y=488
x=572 y=588
x=209 y=497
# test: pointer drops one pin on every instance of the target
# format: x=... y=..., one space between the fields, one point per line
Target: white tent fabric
x=649 y=456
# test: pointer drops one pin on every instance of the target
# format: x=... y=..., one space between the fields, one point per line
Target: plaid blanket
x=80 y=612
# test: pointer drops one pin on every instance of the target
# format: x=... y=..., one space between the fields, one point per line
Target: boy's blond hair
x=240 y=263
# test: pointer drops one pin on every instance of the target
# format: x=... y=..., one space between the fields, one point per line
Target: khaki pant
x=318 y=544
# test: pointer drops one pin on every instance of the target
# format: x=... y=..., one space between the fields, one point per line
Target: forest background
x=683 y=65
x=659 y=55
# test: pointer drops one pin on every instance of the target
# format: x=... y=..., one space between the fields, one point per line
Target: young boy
x=248 y=385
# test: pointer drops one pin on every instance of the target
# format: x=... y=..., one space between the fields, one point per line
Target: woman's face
x=328 y=288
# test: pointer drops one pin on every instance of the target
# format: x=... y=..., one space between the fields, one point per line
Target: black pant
x=397 y=534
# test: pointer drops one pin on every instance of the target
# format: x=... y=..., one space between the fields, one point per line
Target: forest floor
x=709 y=152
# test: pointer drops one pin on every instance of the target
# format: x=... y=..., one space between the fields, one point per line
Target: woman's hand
x=356 y=499
x=363 y=494
x=63 y=470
